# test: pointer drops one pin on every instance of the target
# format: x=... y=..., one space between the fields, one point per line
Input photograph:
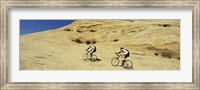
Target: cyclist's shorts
x=127 y=55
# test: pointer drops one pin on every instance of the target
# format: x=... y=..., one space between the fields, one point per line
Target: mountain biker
x=125 y=53
x=91 y=49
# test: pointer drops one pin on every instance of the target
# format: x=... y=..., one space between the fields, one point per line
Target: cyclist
x=125 y=53
x=91 y=49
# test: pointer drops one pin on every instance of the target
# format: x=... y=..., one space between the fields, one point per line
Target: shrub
x=77 y=40
x=115 y=40
x=156 y=54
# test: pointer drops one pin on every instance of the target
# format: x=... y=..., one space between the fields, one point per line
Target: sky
x=31 y=26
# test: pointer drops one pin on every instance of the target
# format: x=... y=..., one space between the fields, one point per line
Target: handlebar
x=118 y=55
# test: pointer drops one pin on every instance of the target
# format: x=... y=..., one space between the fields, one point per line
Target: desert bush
x=132 y=31
x=115 y=40
x=90 y=41
x=165 y=25
x=77 y=40
x=156 y=54
x=93 y=30
x=87 y=42
x=67 y=29
x=164 y=52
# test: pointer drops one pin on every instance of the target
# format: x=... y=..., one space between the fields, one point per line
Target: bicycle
x=115 y=62
x=87 y=55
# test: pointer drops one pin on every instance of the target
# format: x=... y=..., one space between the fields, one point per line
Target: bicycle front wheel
x=85 y=56
x=115 y=62
x=128 y=64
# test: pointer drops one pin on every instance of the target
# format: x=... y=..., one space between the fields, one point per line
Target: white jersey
x=124 y=51
x=91 y=48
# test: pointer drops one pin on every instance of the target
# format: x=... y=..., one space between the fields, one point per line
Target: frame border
x=4 y=45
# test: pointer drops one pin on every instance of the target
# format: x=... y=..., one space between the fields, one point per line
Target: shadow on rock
x=97 y=60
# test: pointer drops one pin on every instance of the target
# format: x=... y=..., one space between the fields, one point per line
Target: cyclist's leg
x=91 y=53
x=124 y=60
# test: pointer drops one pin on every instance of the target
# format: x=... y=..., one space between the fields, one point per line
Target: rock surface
x=153 y=44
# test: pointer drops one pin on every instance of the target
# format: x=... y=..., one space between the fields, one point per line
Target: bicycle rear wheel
x=94 y=57
x=85 y=56
x=115 y=62
x=128 y=64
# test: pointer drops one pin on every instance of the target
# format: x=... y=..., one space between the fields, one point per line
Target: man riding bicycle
x=91 y=49
x=125 y=53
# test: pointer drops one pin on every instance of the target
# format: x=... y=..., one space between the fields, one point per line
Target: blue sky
x=31 y=26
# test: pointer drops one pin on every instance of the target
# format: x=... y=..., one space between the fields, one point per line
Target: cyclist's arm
x=87 y=48
x=119 y=53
